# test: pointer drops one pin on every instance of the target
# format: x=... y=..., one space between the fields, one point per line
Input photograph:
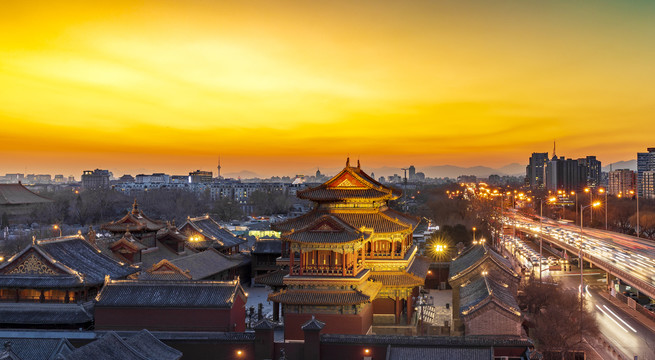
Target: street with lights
x=630 y=259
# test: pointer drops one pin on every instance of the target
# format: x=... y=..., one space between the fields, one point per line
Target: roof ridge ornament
x=348 y=161
x=135 y=207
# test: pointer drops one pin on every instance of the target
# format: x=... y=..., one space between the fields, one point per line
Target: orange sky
x=286 y=86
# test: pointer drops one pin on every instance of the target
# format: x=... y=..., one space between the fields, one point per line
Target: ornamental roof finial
x=348 y=161
x=135 y=207
x=358 y=166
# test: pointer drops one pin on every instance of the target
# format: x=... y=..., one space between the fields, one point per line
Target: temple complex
x=204 y=232
x=350 y=260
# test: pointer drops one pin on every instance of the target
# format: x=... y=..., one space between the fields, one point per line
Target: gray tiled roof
x=413 y=353
x=475 y=254
x=313 y=324
x=210 y=228
x=132 y=293
x=432 y=341
x=44 y=313
x=268 y=246
x=113 y=347
x=38 y=349
x=482 y=289
x=78 y=254
x=145 y=343
x=419 y=266
x=13 y=194
x=205 y=264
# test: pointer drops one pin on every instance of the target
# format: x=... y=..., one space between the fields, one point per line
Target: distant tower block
x=218 y=176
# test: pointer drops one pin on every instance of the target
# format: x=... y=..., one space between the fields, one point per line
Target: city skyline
x=137 y=87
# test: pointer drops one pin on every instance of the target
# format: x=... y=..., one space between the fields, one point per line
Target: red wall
x=349 y=351
x=238 y=314
x=171 y=319
x=384 y=306
x=334 y=323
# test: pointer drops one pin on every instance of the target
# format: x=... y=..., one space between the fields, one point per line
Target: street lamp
x=474 y=235
x=582 y=208
x=576 y=206
x=601 y=191
x=57 y=227
x=588 y=191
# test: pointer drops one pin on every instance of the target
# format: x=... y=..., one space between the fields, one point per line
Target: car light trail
x=626 y=324
x=603 y=311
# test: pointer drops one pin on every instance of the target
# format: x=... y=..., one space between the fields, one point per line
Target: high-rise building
x=412 y=173
x=569 y=174
x=648 y=186
x=535 y=171
x=95 y=179
x=645 y=162
x=621 y=182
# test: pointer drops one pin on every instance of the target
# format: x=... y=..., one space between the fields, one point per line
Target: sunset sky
x=280 y=87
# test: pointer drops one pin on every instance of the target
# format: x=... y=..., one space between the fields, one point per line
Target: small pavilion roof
x=134 y=221
x=128 y=241
x=213 y=231
x=164 y=270
x=17 y=194
x=351 y=183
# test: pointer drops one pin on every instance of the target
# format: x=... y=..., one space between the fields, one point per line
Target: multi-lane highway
x=629 y=258
x=632 y=258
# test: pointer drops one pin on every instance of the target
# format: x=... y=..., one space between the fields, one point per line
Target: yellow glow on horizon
x=120 y=84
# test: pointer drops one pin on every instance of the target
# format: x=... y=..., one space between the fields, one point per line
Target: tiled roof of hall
x=365 y=292
x=17 y=194
x=327 y=229
x=484 y=289
x=78 y=254
x=213 y=231
x=68 y=261
x=192 y=294
x=473 y=256
x=274 y=278
x=379 y=221
x=413 y=276
x=134 y=221
x=351 y=183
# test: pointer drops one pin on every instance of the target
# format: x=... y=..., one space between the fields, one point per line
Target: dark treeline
x=91 y=207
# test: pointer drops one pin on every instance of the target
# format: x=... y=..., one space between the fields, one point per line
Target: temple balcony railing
x=378 y=256
x=324 y=271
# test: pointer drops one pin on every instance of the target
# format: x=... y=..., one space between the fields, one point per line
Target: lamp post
x=601 y=191
x=576 y=206
x=588 y=191
x=57 y=227
x=474 y=234
x=582 y=208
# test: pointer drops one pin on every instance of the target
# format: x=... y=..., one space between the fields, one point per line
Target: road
x=626 y=335
x=632 y=256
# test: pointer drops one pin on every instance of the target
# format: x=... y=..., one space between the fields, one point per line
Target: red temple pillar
x=301 y=260
x=343 y=262
x=291 y=256
x=398 y=309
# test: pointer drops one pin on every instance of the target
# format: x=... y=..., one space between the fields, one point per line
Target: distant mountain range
x=630 y=164
x=439 y=171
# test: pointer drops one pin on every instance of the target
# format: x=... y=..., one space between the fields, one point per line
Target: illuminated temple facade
x=350 y=260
